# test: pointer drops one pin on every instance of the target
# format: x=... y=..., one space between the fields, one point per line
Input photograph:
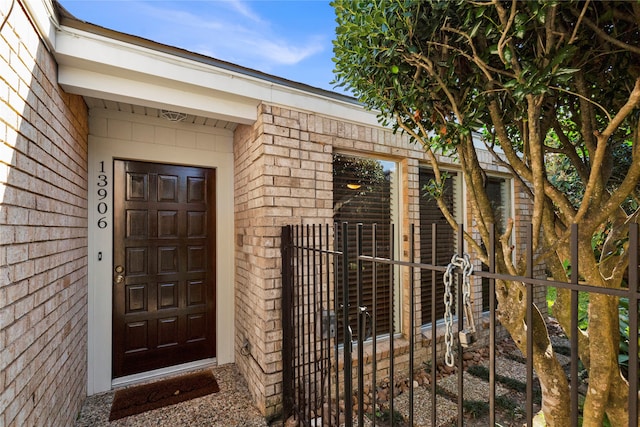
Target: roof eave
x=65 y=18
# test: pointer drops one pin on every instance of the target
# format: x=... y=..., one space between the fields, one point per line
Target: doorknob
x=119 y=277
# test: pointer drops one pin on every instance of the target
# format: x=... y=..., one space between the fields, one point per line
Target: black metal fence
x=335 y=358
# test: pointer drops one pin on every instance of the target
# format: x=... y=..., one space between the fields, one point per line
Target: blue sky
x=290 y=39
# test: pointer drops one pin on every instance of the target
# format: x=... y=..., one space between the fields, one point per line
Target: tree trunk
x=603 y=358
x=618 y=405
x=553 y=380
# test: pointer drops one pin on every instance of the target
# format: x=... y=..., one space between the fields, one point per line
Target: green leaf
x=475 y=28
x=510 y=83
x=507 y=55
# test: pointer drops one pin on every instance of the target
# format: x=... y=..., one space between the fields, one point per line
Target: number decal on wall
x=102 y=193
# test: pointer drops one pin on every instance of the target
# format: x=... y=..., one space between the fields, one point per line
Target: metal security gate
x=331 y=361
x=325 y=333
x=311 y=379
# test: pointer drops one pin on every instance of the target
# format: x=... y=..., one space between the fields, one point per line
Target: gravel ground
x=231 y=406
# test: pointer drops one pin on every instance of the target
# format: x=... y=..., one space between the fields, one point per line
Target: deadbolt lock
x=119 y=269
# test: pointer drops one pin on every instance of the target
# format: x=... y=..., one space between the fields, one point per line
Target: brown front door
x=164 y=269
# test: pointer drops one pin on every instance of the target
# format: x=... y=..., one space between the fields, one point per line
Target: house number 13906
x=102 y=193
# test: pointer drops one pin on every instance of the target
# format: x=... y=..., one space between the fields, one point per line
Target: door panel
x=164 y=266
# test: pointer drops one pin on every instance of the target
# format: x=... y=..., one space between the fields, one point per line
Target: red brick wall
x=43 y=235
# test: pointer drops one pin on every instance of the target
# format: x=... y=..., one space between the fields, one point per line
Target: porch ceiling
x=104 y=104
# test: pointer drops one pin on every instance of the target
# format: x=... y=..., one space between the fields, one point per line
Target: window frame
x=458 y=208
x=395 y=212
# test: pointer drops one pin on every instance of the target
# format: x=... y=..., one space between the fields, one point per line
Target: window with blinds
x=444 y=245
x=363 y=193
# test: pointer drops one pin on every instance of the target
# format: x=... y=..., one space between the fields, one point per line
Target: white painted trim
x=511 y=215
x=464 y=208
x=44 y=19
x=164 y=372
x=158 y=93
x=398 y=214
x=102 y=148
x=85 y=58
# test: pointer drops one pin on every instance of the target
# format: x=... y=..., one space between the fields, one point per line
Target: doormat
x=138 y=399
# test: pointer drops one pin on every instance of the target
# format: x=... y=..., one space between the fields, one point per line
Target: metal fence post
x=347 y=335
x=633 y=322
x=287 y=322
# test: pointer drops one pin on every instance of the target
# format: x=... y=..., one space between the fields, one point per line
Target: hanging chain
x=448 y=316
x=467 y=336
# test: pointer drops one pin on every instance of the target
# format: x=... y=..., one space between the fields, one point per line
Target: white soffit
x=91 y=64
x=151 y=91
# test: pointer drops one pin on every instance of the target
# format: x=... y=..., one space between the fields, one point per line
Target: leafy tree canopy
x=552 y=89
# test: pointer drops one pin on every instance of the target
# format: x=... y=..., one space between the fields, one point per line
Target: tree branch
x=587 y=116
x=568 y=149
x=575 y=30
x=433 y=160
x=583 y=98
x=507 y=23
x=608 y=38
x=566 y=210
x=628 y=184
x=537 y=165
x=627 y=187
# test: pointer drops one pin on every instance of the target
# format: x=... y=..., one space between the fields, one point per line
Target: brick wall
x=283 y=175
x=43 y=235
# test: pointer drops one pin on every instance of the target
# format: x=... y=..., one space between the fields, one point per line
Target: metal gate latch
x=468 y=335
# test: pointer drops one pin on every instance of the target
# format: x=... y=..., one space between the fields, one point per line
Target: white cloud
x=245 y=10
x=283 y=53
x=231 y=31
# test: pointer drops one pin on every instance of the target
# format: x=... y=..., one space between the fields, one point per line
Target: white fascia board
x=156 y=93
x=304 y=101
x=85 y=50
x=96 y=51
x=42 y=15
x=94 y=68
